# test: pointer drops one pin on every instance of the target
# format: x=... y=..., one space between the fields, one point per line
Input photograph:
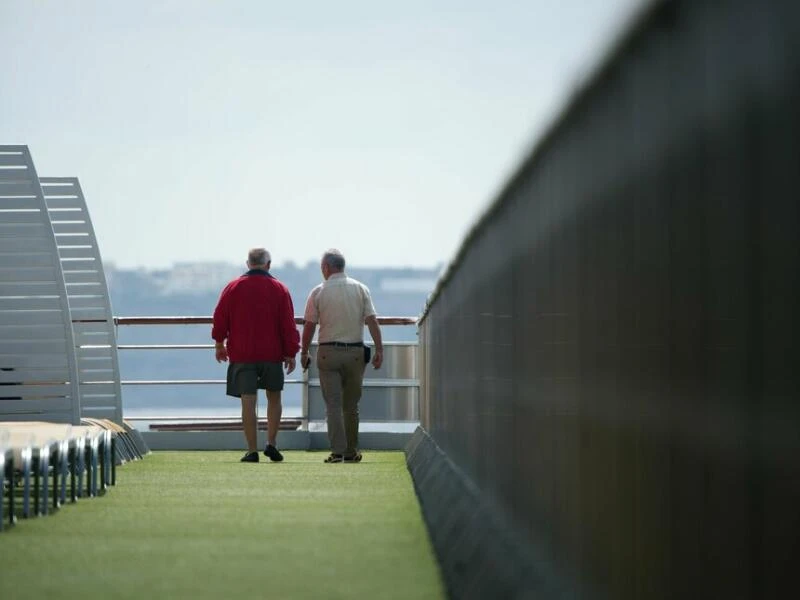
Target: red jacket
x=255 y=314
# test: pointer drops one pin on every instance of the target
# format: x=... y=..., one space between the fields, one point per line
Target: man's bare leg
x=274 y=412
x=249 y=421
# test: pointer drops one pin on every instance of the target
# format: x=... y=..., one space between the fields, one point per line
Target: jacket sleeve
x=290 y=337
x=221 y=321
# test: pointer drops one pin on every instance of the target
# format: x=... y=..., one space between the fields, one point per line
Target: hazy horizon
x=285 y=264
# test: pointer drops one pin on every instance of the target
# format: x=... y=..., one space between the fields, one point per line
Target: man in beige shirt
x=341 y=306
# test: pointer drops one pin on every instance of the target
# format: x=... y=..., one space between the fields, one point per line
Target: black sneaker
x=354 y=458
x=250 y=457
x=334 y=458
x=272 y=453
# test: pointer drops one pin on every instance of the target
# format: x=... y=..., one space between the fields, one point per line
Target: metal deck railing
x=391 y=394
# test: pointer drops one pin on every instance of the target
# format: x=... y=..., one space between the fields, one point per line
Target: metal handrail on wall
x=400 y=360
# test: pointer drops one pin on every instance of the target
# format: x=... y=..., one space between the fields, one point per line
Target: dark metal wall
x=613 y=355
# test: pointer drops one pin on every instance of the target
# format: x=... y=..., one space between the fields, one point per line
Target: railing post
x=304 y=398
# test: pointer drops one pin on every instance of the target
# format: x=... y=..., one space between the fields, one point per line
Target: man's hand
x=375 y=331
x=221 y=353
x=289 y=363
x=377 y=359
x=305 y=361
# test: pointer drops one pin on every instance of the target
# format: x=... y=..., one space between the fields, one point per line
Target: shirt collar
x=261 y=272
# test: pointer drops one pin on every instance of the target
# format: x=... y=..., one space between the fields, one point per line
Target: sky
x=200 y=129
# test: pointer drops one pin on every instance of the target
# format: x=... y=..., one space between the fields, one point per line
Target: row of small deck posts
x=61 y=428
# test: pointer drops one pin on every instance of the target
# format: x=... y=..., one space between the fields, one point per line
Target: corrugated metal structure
x=612 y=356
x=89 y=301
x=38 y=370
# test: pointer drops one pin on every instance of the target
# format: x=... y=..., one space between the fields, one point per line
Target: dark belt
x=343 y=344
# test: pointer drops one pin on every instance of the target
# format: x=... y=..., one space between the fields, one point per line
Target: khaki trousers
x=341 y=373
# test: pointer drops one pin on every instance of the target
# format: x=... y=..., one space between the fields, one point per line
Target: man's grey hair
x=334 y=259
x=258 y=257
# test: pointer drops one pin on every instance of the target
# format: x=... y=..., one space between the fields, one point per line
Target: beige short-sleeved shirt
x=340 y=304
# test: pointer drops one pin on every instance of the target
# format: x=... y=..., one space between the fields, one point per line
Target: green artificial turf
x=203 y=525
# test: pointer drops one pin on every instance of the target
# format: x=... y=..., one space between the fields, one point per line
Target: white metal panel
x=91 y=334
x=78 y=262
x=32 y=290
x=40 y=409
x=13 y=175
x=98 y=412
x=13 y=149
x=88 y=301
x=83 y=289
x=50 y=374
x=84 y=305
x=31 y=279
x=30 y=218
x=37 y=231
x=95 y=375
x=96 y=409
x=95 y=370
x=41 y=303
x=19 y=246
x=30 y=317
x=81 y=265
x=29 y=260
x=96 y=354
x=27 y=275
x=15 y=190
x=98 y=390
x=30 y=346
x=69 y=228
x=87 y=290
x=17 y=203
x=78 y=241
x=95 y=345
x=11 y=158
x=89 y=313
x=33 y=362
x=72 y=252
x=60 y=196
x=38 y=390
x=72 y=277
x=28 y=332
x=95 y=338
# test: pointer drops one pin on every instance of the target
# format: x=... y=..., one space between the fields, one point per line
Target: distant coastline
x=193 y=288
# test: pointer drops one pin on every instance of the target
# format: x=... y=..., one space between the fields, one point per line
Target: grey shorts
x=248 y=378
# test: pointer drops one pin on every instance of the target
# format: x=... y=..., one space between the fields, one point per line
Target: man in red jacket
x=255 y=316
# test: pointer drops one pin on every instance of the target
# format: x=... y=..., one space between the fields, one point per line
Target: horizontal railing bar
x=210 y=346
x=304 y=380
x=237 y=416
x=164 y=346
x=186 y=381
x=311 y=382
x=209 y=320
x=285 y=418
x=378 y=383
